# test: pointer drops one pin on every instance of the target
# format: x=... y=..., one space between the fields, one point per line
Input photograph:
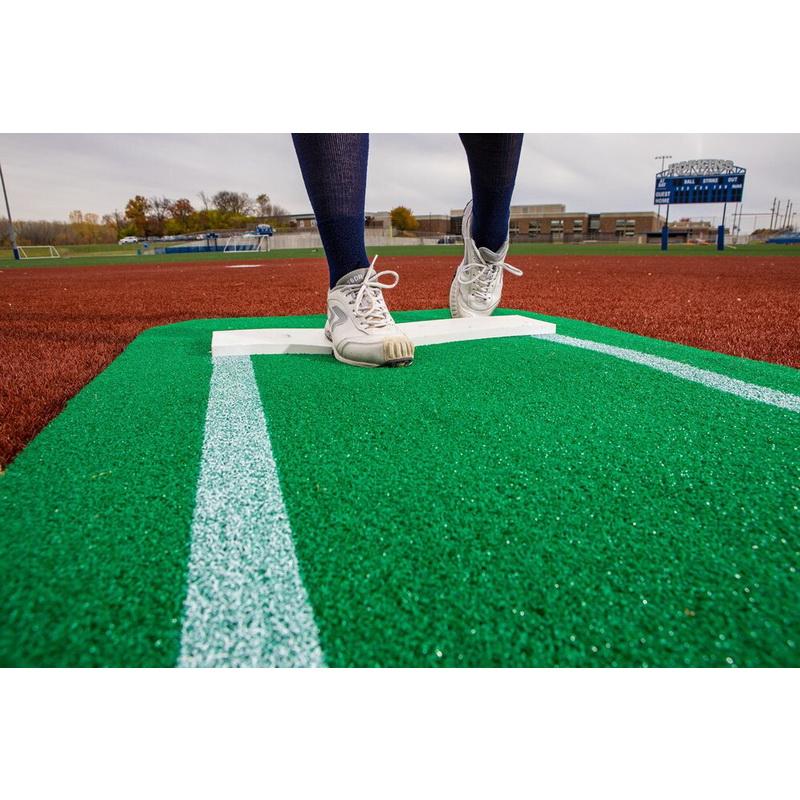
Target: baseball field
x=623 y=493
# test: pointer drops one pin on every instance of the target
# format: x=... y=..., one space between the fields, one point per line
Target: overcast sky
x=47 y=175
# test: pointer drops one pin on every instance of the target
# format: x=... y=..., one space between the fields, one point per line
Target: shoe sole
x=454 y=296
x=395 y=362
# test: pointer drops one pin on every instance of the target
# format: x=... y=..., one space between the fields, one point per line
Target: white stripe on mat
x=750 y=391
x=245 y=603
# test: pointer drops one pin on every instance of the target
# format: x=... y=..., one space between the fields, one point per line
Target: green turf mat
x=514 y=502
x=506 y=502
x=774 y=376
x=96 y=511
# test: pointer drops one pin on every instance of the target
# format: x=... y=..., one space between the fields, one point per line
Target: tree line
x=150 y=216
x=161 y=216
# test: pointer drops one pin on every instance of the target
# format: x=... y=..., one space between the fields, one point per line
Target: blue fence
x=785 y=238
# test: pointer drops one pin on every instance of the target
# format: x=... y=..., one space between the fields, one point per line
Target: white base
x=275 y=341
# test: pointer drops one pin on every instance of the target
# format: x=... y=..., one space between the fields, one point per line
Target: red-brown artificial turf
x=59 y=327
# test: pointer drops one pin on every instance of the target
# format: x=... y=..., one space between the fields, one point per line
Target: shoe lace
x=369 y=307
x=484 y=276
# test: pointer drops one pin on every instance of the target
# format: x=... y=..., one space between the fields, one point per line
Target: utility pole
x=12 y=234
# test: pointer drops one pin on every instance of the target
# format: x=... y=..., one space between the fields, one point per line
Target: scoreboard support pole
x=721 y=230
x=665 y=232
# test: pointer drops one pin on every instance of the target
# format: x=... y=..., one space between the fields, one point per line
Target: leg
x=359 y=325
x=334 y=167
x=477 y=286
x=493 y=160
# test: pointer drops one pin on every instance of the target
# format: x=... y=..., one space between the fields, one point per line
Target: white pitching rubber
x=277 y=341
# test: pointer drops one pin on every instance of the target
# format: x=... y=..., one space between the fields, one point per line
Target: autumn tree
x=160 y=215
x=160 y=211
x=181 y=211
x=136 y=212
x=279 y=211
x=232 y=202
x=403 y=219
x=115 y=221
x=264 y=205
x=84 y=228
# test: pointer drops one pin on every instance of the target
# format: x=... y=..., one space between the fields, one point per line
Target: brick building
x=553 y=223
x=378 y=220
x=701 y=229
x=428 y=224
x=529 y=223
x=298 y=222
x=433 y=224
x=626 y=224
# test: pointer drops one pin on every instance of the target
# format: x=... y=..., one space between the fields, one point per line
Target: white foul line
x=749 y=391
x=245 y=605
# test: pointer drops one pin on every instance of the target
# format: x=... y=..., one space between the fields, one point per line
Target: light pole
x=12 y=234
x=663 y=159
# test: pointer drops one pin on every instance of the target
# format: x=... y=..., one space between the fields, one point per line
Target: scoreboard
x=721 y=188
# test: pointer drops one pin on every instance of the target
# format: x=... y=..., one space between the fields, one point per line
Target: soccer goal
x=38 y=251
x=241 y=244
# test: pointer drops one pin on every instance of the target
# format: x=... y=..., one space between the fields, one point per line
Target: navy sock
x=493 y=159
x=334 y=167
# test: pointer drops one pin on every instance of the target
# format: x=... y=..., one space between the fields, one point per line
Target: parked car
x=128 y=240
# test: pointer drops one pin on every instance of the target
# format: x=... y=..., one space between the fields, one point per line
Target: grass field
x=126 y=254
x=593 y=500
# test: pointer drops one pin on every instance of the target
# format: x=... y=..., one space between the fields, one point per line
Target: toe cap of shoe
x=376 y=350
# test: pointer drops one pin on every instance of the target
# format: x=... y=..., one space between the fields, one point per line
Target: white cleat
x=478 y=283
x=359 y=324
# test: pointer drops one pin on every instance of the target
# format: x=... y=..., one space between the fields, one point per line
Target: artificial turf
x=96 y=511
x=507 y=502
x=106 y=254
